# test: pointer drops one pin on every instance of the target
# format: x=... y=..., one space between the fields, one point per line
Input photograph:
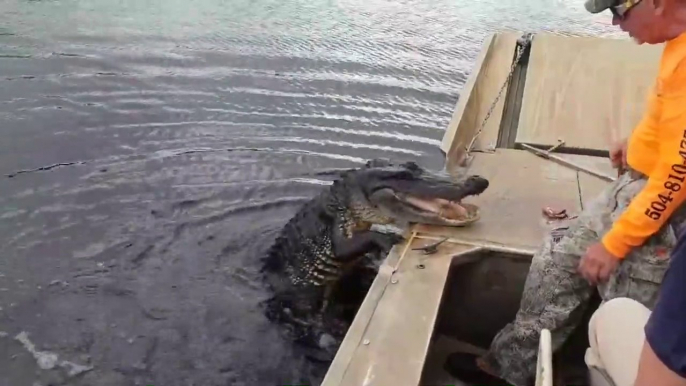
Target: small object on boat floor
x=555 y=214
x=431 y=248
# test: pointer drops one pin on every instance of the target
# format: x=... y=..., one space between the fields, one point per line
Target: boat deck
x=579 y=90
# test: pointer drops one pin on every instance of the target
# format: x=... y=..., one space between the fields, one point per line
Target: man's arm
x=652 y=372
x=663 y=359
x=665 y=190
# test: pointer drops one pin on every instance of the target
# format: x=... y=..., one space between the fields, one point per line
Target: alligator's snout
x=441 y=203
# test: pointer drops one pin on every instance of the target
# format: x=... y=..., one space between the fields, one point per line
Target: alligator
x=331 y=235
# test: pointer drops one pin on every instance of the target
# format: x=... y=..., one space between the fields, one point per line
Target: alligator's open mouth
x=445 y=211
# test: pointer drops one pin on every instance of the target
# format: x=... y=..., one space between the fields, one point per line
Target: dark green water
x=200 y=126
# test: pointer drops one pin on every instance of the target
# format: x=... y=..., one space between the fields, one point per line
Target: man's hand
x=597 y=264
x=618 y=154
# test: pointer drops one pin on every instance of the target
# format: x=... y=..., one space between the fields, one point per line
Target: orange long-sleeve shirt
x=656 y=148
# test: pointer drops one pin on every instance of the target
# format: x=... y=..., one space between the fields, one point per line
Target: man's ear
x=658 y=6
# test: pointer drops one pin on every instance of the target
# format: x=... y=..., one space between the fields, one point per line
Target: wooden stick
x=407 y=247
x=567 y=163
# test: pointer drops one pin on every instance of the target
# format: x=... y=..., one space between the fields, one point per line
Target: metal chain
x=522 y=43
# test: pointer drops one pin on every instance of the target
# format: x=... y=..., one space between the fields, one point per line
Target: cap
x=597 y=6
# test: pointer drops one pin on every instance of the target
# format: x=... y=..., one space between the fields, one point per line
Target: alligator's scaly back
x=305 y=224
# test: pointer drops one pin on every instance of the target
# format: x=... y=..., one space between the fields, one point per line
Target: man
x=619 y=244
x=621 y=354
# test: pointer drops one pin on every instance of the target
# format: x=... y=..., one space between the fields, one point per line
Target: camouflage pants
x=555 y=295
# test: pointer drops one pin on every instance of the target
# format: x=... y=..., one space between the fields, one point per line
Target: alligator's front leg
x=347 y=249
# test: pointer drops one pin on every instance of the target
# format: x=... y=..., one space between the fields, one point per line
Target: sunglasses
x=621 y=10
